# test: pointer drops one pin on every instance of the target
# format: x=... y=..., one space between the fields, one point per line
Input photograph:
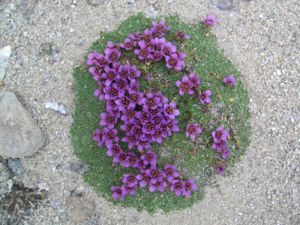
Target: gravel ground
x=49 y=38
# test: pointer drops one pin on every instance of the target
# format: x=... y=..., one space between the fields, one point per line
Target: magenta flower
x=112 y=54
x=144 y=52
x=143 y=179
x=113 y=150
x=122 y=159
x=158 y=186
x=133 y=160
x=204 y=97
x=168 y=49
x=185 y=86
x=98 y=137
x=220 y=170
x=136 y=97
x=149 y=158
x=110 y=75
x=219 y=146
x=94 y=58
x=134 y=73
x=154 y=174
x=172 y=127
x=131 y=139
x=128 y=44
x=182 y=36
x=195 y=80
x=177 y=186
x=118 y=193
x=230 y=81
x=193 y=130
x=124 y=104
x=170 y=110
x=159 y=29
x=110 y=136
x=189 y=187
x=113 y=92
x=226 y=153
x=123 y=72
x=130 y=180
x=210 y=21
x=170 y=172
x=108 y=119
x=175 y=61
x=220 y=134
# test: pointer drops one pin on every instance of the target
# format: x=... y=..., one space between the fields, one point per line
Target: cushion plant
x=159 y=110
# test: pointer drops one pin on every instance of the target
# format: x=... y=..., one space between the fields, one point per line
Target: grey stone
x=78 y=167
x=151 y=12
x=46 y=48
x=19 y=134
x=226 y=4
x=5 y=53
x=4 y=184
x=95 y=2
x=80 y=208
x=57 y=107
x=15 y=166
x=28 y=8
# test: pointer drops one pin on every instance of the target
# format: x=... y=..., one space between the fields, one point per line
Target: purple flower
x=149 y=158
x=98 y=137
x=182 y=36
x=128 y=44
x=193 y=130
x=124 y=104
x=122 y=159
x=134 y=73
x=172 y=127
x=118 y=193
x=204 y=97
x=136 y=97
x=159 y=29
x=112 y=54
x=170 y=172
x=220 y=170
x=108 y=119
x=110 y=75
x=123 y=71
x=147 y=36
x=219 y=146
x=129 y=115
x=154 y=174
x=113 y=150
x=230 y=81
x=170 y=110
x=220 y=134
x=195 y=80
x=226 y=153
x=133 y=160
x=143 y=179
x=131 y=139
x=137 y=36
x=189 y=186
x=110 y=136
x=94 y=58
x=95 y=73
x=185 y=86
x=113 y=92
x=175 y=61
x=158 y=186
x=130 y=180
x=144 y=52
x=168 y=49
x=177 y=186
x=151 y=101
x=130 y=190
x=210 y=21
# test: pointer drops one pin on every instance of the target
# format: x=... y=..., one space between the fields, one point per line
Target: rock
x=57 y=107
x=150 y=12
x=46 y=48
x=19 y=134
x=28 y=8
x=225 y=4
x=15 y=166
x=5 y=187
x=151 y=1
x=95 y=2
x=80 y=209
x=57 y=57
x=78 y=167
x=4 y=56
